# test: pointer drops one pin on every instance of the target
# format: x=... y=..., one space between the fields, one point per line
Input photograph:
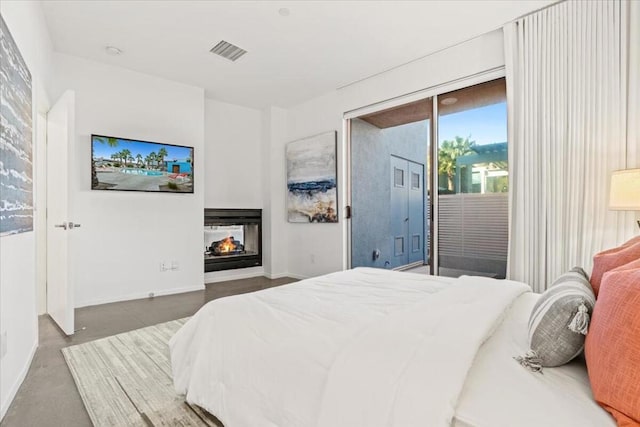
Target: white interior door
x=60 y=134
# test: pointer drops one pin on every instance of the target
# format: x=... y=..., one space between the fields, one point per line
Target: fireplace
x=232 y=238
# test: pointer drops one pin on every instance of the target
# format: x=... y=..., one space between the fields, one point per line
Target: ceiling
x=476 y=96
x=318 y=47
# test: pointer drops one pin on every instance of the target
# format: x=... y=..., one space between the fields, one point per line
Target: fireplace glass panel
x=230 y=240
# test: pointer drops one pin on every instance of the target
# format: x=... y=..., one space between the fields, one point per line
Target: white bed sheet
x=500 y=393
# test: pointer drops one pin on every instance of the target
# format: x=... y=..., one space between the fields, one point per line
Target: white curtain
x=572 y=91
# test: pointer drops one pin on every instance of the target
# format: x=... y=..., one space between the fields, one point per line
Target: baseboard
x=296 y=276
x=275 y=275
x=281 y=275
x=243 y=273
x=141 y=295
x=16 y=386
x=213 y=277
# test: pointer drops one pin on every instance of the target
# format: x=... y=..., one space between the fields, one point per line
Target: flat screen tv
x=132 y=165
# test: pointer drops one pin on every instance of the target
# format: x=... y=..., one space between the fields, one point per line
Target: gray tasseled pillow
x=559 y=322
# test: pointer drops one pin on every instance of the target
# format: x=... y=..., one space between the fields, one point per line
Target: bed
x=370 y=347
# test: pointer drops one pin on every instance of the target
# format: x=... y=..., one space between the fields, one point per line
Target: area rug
x=125 y=380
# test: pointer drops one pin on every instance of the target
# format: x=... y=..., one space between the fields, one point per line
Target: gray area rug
x=125 y=380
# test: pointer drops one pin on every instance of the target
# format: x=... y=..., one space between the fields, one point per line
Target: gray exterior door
x=399 y=211
x=407 y=212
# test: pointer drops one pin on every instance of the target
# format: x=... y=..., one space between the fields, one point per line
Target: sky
x=139 y=147
x=486 y=125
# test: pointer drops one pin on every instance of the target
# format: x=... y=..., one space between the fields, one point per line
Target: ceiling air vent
x=228 y=51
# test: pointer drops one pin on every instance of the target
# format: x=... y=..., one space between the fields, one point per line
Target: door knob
x=73 y=225
x=63 y=225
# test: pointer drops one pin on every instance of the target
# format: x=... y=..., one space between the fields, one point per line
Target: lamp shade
x=625 y=190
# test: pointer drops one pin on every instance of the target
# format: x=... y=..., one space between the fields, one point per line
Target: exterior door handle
x=63 y=225
x=73 y=225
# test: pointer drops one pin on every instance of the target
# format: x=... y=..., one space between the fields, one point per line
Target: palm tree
x=112 y=142
x=139 y=159
x=126 y=154
x=118 y=155
x=153 y=156
x=448 y=152
x=161 y=155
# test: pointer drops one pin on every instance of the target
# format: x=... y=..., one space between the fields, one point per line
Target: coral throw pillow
x=613 y=258
x=612 y=347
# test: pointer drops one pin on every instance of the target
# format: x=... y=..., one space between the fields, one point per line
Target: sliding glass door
x=395 y=169
x=389 y=197
x=473 y=181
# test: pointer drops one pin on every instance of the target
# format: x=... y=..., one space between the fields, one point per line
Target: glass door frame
x=432 y=183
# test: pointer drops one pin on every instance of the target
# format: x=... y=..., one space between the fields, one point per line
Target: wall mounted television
x=132 y=165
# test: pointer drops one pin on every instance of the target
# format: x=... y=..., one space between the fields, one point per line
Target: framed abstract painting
x=312 y=194
x=16 y=145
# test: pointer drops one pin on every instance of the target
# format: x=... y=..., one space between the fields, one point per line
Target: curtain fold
x=633 y=102
x=572 y=120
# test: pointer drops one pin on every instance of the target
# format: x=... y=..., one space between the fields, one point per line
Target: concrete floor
x=422 y=269
x=49 y=397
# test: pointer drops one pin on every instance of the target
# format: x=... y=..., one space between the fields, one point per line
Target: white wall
x=326 y=243
x=233 y=157
x=245 y=168
x=477 y=55
x=274 y=231
x=18 y=301
x=233 y=167
x=126 y=235
x=317 y=249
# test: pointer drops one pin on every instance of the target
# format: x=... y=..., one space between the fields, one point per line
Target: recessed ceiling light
x=112 y=50
x=283 y=11
x=449 y=101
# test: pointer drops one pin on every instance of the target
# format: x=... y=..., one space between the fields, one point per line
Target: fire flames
x=227 y=245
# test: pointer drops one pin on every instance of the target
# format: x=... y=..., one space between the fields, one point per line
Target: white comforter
x=364 y=347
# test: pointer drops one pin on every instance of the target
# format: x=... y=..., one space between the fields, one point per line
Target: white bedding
x=365 y=347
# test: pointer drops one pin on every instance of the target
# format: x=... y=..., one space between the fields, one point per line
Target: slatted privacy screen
x=474 y=225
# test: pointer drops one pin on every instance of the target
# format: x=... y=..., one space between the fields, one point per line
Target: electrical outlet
x=175 y=265
x=3 y=344
x=163 y=266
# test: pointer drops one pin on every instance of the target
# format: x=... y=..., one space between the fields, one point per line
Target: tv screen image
x=132 y=165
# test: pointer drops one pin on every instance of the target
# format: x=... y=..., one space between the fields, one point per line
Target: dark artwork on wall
x=16 y=145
